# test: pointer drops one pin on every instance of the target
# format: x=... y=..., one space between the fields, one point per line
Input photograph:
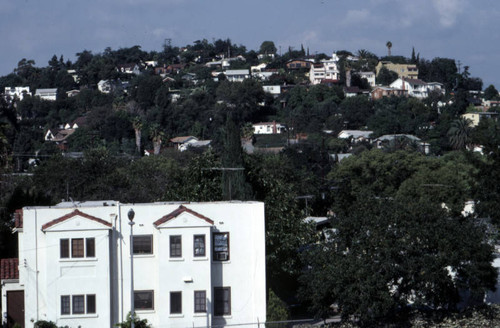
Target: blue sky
x=464 y=30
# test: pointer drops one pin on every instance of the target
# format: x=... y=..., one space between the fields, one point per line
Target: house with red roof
x=194 y=264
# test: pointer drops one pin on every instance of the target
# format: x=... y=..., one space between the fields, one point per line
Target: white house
x=416 y=88
x=355 y=135
x=237 y=75
x=47 y=94
x=327 y=69
x=274 y=90
x=369 y=76
x=268 y=128
x=16 y=92
x=194 y=264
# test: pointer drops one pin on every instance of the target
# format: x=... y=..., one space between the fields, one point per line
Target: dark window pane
x=143 y=244
x=221 y=246
x=90 y=247
x=77 y=247
x=65 y=306
x=90 y=303
x=64 y=248
x=175 y=246
x=200 y=301
x=199 y=245
x=175 y=302
x=143 y=300
x=78 y=304
x=222 y=301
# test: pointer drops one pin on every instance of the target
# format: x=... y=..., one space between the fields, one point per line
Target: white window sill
x=200 y=258
x=145 y=310
x=79 y=259
x=200 y=314
x=78 y=316
x=176 y=316
x=221 y=262
x=176 y=259
x=143 y=256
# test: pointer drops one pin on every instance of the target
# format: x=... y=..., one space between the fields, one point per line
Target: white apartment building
x=327 y=69
x=195 y=264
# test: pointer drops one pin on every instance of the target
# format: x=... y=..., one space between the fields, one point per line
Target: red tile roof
x=72 y=214
x=9 y=269
x=178 y=212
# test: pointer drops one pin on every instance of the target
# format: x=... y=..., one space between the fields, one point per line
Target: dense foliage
x=398 y=232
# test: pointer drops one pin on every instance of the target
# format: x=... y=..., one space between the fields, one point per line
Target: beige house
x=476 y=117
x=403 y=70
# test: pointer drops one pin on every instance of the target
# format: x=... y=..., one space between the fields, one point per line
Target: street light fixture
x=131 y=222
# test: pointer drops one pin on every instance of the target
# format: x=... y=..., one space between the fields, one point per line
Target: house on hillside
x=130 y=68
x=355 y=135
x=380 y=92
x=182 y=142
x=416 y=88
x=194 y=264
x=12 y=93
x=476 y=117
x=47 y=94
x=409 y=71
x=298 y=64
x=237 y=75
x=268 y=128
x=369 y=76
x=327 y=69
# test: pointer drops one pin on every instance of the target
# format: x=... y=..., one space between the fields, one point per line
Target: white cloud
x=448 y=11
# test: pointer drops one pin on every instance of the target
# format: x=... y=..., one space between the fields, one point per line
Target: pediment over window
x=183 y=217
x=75 y=221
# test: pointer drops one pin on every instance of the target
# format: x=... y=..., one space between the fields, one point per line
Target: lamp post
x=131 y=222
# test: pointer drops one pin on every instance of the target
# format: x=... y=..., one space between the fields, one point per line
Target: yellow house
x=403 y=70
x=476 y=117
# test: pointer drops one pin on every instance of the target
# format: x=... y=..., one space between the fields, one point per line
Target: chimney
x=348 y=78
x=274 y=127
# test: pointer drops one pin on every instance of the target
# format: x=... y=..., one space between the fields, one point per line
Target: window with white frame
x=143 y=244
x=76 y=247
x=200 y=301
x=176 y=246
x=222 y=301
x=221 y=246
x=144 y=300
x=175 y=302
x=199 y=245
x=78 y=304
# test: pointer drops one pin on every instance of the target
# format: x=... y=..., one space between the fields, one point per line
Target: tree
x=389 y=46
x=385 y=254
x=491 y=93
x=234 y=185
x=386 y=77
x=137 y=322
x=137 y=123
x=460 y=133
x=157 y=136
x=267 y=48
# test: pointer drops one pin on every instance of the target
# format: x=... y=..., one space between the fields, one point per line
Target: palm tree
x=157 y=136
x=363 y=53
x=389 y=46
x=137 y=124
x=460 y=133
